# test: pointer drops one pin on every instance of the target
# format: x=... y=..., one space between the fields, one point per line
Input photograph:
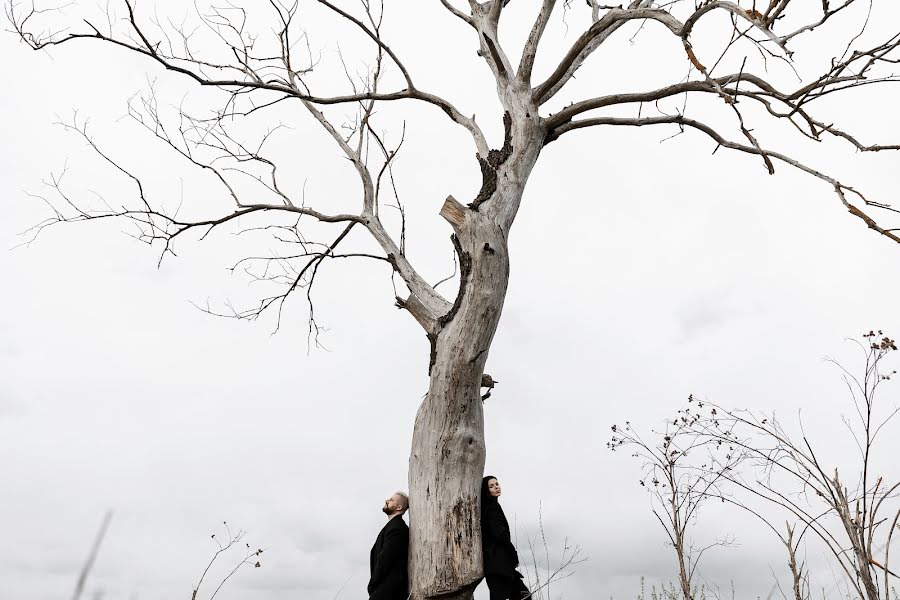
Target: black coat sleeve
x=394 y=551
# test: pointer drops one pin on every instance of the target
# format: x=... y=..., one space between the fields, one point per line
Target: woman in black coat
x=500 y=556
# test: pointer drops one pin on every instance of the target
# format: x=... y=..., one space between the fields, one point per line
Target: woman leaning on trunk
x=500 y=556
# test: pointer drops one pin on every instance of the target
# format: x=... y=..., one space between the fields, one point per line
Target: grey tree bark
x=448 y=450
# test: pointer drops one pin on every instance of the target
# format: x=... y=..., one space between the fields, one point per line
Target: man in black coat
x=387 y=561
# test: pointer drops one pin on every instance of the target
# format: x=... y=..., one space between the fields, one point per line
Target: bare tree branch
x=840 y=189
x=458 y=13
x=92 y=556
x=531 y=45
x=250 y=77
x=782 y=471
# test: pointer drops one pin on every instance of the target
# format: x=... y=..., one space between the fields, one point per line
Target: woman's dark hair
x=485 y=493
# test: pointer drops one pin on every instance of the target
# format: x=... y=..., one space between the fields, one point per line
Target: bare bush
x=232 y=544
x=853 y=513
x=545 y=569
x=677 y=490
x=753 y=462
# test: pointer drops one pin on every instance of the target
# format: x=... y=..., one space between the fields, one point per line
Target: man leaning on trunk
x=387 y=560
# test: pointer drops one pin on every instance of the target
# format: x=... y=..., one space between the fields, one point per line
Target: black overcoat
x=500 y=556
x=387 y=562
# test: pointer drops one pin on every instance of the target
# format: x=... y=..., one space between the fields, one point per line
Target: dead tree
x=680 y=476
x=853 y=514
x=256 y=56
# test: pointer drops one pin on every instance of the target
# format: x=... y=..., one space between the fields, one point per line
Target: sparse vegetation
x=755 y=463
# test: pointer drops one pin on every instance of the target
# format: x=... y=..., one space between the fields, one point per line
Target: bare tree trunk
x=796 y=570
x=856 y=535
x=684 y=571
x=448 y=450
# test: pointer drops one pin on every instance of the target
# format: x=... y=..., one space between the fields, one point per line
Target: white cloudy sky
x=641 y=272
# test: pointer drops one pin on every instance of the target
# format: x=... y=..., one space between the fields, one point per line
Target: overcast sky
x=642 y=271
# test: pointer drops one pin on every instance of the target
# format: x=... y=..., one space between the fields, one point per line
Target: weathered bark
x=796 y=570
x=448 y=449
x=851 y=520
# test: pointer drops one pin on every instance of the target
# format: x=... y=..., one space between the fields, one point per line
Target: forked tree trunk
x=448 y=449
